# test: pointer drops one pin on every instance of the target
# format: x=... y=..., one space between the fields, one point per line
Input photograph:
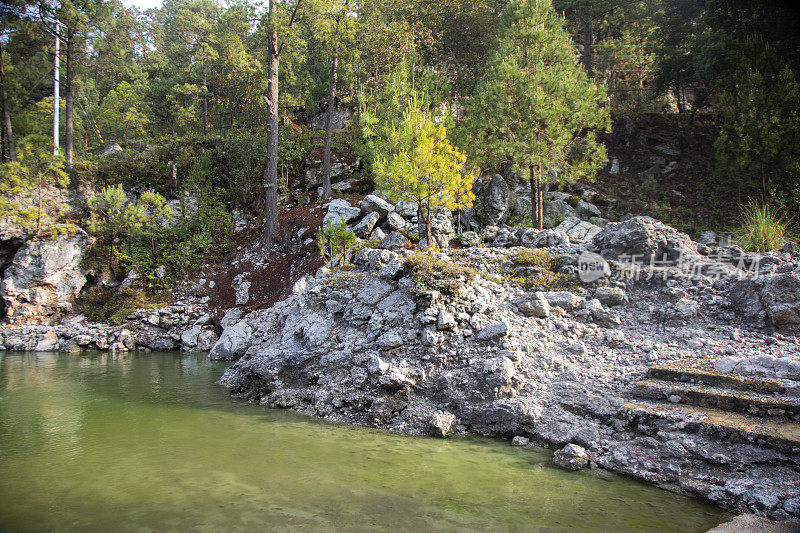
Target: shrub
x=541 y=272
x=101 y=305
x=335 y=239
x=762 y=229
x=430 y=273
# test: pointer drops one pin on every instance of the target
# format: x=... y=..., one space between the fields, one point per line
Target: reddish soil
x=288 y=263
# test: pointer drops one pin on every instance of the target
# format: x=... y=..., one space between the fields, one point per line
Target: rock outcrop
x=43 y=279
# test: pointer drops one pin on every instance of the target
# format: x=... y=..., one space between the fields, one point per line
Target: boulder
x=364 y=228
x=586 y=210
x=769 y=300
x=395 y=221
x=43 y=278
x=396 y=380
x=578 y=230
x=441 y=424
x=231 y=317
x=233 y=343
x=375 y=204
x=571 y=457
x=492 y=201
x=563 y=299
x=394 y=240
x=469 y=238
x=556 y=211
x=534 y=305
x=549 y=238
x=242 y=289
x=48 y=343
x=504 y=238
x=113 y=150
x=206 y=340
x=493 y=331
x=610 y=296
x=498 y=372
x=390 y=339
x=339 y=120
x=644 y=239
x=338 y=210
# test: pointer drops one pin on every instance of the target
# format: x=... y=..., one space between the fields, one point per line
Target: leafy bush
x=539 y=269
x=335 y=239
x=101 y=305
x=430 y=273
x=762 y=229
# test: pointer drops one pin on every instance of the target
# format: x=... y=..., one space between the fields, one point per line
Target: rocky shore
x=591 y=370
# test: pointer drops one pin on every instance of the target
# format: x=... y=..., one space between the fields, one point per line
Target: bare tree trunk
x=68 y=96
x=326 y=158
x=588 y=45
x=537 y=207
x=540 y=198
x=271 y=173
x=205 y=103
x=8 y=135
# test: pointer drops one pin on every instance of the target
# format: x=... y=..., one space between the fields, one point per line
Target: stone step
x=753 y=403
x=780 y=435
x=688 y=372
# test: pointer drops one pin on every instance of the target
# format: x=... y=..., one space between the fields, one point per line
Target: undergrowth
x=432 y=274
x=763 y=229
x=101 y=305
x=538 y=270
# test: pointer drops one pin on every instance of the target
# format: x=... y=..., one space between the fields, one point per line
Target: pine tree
x=535 y=107
x=419 y=164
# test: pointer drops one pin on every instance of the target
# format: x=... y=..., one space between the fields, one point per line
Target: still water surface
x=148 y=442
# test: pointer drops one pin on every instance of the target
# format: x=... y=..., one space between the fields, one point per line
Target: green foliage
x=100 y=305
x=538 y=270
x=334 y=240
x=416 y=163
x=760 y=139
x=22 y=182
x=123 y=112
x=113 y=216
x=763 y=229
x=432 y=274
x=534 y=107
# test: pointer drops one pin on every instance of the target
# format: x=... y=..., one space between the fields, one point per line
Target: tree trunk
x=326 y=164
x=427 y=221
x=271 y=173
x=588 y=45
x=8 y=135
x=540 y=198
x=205 y=103
x=537 y=199
x=68 y=98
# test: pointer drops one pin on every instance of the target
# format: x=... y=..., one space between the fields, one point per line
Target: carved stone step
x=690 y=373
x=780 y=435
x=753 y=403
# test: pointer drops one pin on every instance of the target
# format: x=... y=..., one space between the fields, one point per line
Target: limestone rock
x=644 y=238
x=441 y=424
x=375 y=204
x=492 y=201
x=571 y=457
x=43 y=278
x=233 y=343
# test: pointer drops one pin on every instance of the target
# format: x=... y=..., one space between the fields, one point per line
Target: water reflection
x=147 y=441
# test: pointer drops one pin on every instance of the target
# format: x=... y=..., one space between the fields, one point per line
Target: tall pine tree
x=535 y=107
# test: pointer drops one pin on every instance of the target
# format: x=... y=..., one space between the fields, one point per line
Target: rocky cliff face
x=43 y=278
x=367 y=347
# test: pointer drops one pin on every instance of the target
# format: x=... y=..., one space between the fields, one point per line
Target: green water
x=148 y=442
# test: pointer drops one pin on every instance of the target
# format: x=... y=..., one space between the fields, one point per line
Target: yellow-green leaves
x=420 y=165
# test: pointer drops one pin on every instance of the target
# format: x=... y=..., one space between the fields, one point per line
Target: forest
x=219 y=99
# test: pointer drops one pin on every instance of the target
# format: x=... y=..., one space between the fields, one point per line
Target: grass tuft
x=763 y=229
